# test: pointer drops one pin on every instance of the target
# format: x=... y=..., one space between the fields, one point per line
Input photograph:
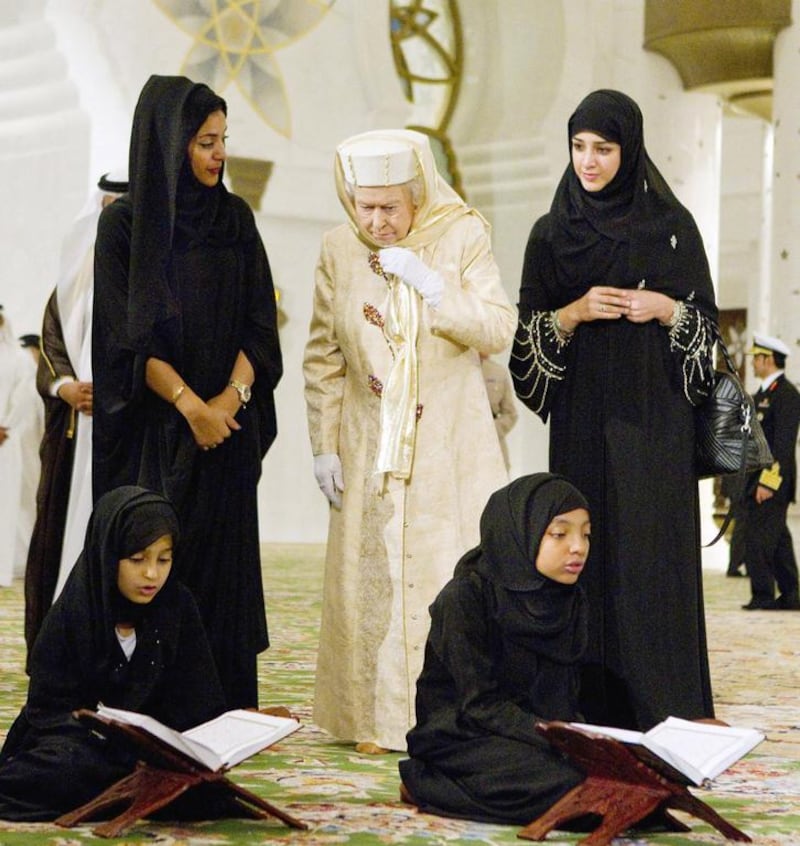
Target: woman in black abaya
x=614 y=347
x=507 y=633
x=108 y=638
x=186 y=357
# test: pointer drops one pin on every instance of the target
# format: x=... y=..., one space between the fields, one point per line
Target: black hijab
x=124 y=521
x=632 y=233
x=546 y=616
x=77 y=660
x=171 y=209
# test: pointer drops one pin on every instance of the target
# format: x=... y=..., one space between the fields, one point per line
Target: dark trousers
x=738 y=549
x=770 y=553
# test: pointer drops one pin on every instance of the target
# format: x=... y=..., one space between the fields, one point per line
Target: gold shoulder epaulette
x=771 y=477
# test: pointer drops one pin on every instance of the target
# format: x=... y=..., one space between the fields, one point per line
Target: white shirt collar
x=765 y=383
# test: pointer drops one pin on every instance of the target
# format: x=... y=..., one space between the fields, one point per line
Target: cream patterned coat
x=394 y=543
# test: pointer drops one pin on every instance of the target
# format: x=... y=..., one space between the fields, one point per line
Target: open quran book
x=695 y=752
x=218 y=744
x=626 y=783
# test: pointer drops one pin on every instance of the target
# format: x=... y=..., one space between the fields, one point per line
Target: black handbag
x=728 y=436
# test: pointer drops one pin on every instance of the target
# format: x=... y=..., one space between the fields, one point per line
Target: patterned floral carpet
x=346 y=798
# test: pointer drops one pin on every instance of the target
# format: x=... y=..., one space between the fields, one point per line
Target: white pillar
x=44 y=154
x=782 y=317
x=759 y=300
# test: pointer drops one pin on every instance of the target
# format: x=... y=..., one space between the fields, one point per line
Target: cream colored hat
x=766 y=345
x=374 y=162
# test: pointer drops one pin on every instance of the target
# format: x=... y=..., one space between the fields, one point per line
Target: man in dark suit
x=769 y=551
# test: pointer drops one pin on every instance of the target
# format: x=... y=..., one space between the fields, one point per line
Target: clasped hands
x=401 y=262
x=603 y=302
x=211 y=422
x=78 y=395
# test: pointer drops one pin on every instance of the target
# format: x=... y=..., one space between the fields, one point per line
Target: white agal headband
x=373 y=163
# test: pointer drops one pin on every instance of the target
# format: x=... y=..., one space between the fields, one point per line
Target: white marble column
x=759 y=299
x=781 y=291
x=782 y=316
x=44 y=153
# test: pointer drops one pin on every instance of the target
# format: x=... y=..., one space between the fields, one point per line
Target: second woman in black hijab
x=614 y=347
x=123 y=632
x=186 y=357
x=507 y=633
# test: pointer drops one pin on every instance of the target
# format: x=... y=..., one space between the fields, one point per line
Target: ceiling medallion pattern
x=236 y=41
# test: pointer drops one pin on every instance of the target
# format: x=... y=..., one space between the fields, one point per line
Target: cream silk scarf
x=399 y=397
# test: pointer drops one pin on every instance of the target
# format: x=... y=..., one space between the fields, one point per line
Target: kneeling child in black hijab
x=507 y=633
x=122 y=632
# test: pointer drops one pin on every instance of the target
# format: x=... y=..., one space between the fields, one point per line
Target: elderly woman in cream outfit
x=407 y=297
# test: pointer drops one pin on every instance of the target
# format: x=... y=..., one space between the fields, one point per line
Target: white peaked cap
x=767 y=344
x=373 y=162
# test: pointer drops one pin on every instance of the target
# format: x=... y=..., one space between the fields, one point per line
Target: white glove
x=328 y=471
x=403 y=263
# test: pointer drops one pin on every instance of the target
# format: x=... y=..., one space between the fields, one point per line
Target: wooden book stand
x=620 y=788
x=161 y=775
